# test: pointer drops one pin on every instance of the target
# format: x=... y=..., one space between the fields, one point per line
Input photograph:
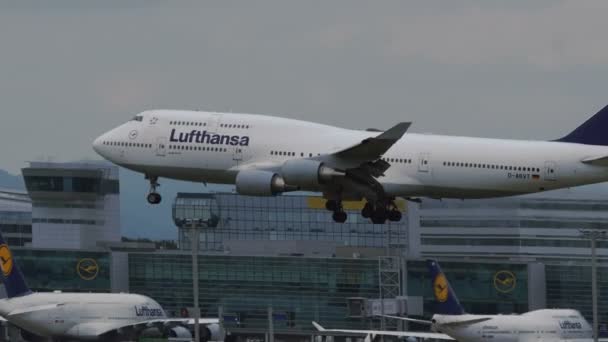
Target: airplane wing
x=372 y=333
x=32 y=309
x=419 y=321
x=371 y=149
x=94 y=329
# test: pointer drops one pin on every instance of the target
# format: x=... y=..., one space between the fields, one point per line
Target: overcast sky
x=512 y=69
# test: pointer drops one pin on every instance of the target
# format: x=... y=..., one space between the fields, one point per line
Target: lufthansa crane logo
x=6 y=260
x=133 y=134
x=504 y=281
x=87 y=269
x=440 y=287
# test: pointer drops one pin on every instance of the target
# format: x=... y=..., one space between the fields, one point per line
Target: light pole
x=194 y=247
x=593 y=236
x=195 y=226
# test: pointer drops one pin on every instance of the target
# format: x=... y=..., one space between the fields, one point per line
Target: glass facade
x=300 y=290
x=68 y=271
x=570 y=287
x=289 y=217
x=16 y=227
x=482 y=288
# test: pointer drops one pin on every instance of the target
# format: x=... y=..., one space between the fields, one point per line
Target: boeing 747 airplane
x=452 y=323
x=265 y=156
x=88 y=316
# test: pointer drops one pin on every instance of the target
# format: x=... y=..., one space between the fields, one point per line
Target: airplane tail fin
x=14 y=282
x=591 y=132
x=446 y=302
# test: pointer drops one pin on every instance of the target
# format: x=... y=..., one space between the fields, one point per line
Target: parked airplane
x=88 y=316
x=450 y=319
x=265 y=156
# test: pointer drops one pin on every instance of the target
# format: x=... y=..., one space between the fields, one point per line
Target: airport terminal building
x=507 y=255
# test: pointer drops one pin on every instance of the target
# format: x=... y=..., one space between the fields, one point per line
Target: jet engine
x=208 y=332
x=260 y=183
x=212 y=332
x=31 y=337
x=179 y=332
x=307 y=174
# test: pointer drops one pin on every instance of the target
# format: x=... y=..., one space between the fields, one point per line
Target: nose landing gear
x=153 y=197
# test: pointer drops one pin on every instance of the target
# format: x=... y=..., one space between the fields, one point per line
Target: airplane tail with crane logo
x=446 y=302
x=14 y=282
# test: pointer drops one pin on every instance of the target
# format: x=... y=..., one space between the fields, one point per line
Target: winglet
x=395 y=132
x=318 y=326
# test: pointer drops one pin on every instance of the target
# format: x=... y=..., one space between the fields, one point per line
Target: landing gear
x=367 y=210
x=153 y=197
x=382 y=211
x=339 y=214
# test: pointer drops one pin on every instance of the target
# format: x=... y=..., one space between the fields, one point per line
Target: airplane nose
x=97 y=145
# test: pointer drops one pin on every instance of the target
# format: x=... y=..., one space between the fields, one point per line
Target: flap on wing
x=371 y=149
x=600 y=161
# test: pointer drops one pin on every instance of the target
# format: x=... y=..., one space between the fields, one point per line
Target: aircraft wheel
x=367 y=211
x=394 y=215
x=339 y=216
x=154 y=198
x=379 y=217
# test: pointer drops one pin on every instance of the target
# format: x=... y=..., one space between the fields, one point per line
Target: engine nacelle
x=259 y=183
x=214 y=332
x=28 y=336
x=179 y=332
x=307 y=174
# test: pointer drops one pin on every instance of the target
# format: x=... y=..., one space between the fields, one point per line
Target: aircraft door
x=551 y=171
x=214 y=122
x=424 y=162
x=161 y=146
x=237 y=155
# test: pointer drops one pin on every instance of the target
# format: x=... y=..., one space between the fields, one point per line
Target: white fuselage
x=78 y=315
x=179 y=145
x=539 y=325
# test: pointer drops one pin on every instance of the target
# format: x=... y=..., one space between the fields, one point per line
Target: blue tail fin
x=592 y=132
x=14 y=283
x=446 y=302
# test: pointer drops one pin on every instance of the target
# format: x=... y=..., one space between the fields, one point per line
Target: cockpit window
x=138 y=118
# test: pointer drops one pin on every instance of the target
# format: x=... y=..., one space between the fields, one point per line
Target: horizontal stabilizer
x=318 y=326
x=419 y=321
x=465 y=322
x=599 y=161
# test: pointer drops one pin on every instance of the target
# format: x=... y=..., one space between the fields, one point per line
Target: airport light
x=196 y=225
x=593 y=236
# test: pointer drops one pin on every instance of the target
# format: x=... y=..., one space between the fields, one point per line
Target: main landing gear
x=339 y=214
x=378 y=212
x=153 y=197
